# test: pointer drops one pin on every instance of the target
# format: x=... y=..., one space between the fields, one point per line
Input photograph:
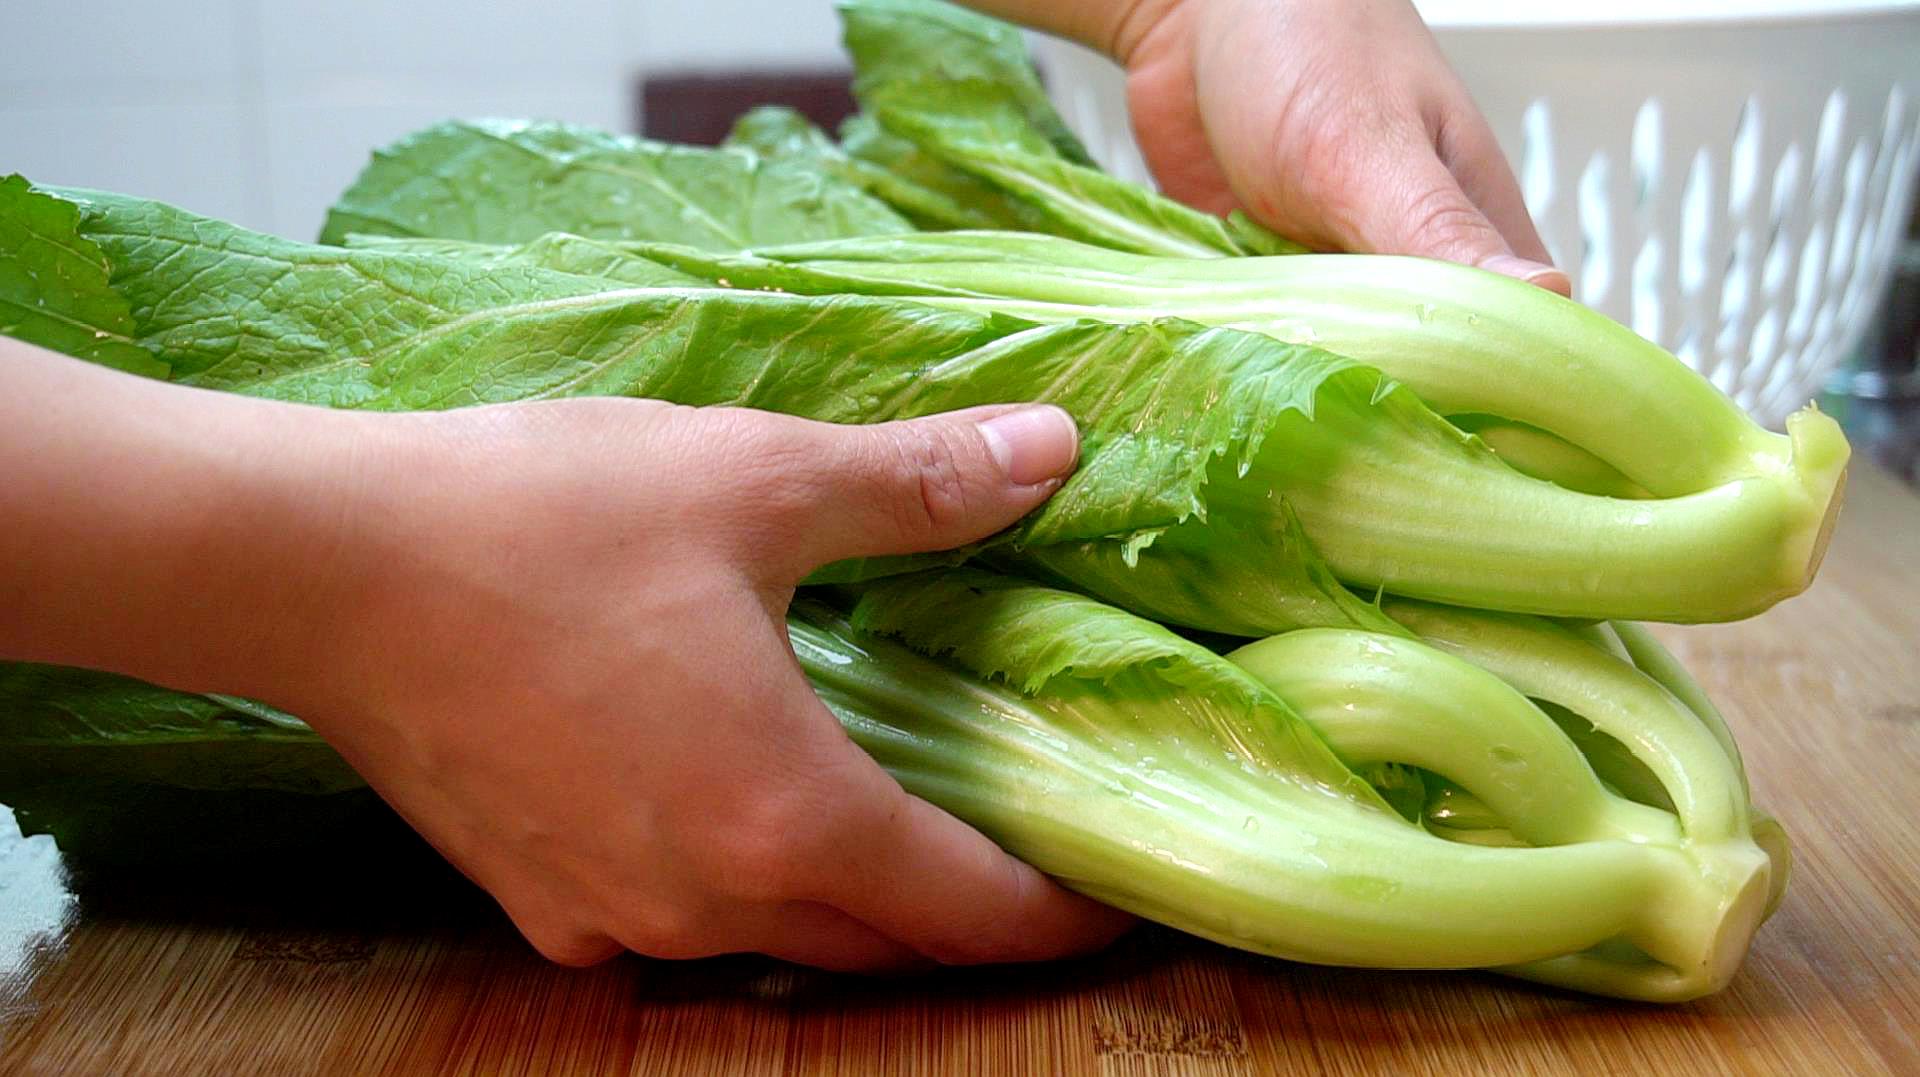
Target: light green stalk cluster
x=1220 y=795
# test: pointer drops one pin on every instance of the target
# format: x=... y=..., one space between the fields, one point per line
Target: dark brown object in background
x=700 y=108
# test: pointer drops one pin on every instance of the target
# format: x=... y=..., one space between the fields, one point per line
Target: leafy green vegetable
x=1625 y=418
x=1217 y=434
x=505 y=181
x=1382 y=781
x=124 y=773
x=930 y=192
x=926 y=192
x=75 y=722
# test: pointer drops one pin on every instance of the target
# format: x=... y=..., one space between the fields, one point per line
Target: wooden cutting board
x=356 y=965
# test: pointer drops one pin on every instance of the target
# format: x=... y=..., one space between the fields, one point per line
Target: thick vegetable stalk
x=1379 y=698
x=1468 y=342
x=1696 y=768
x=1147 y=772
x=1386 y=699
x=1642 y=722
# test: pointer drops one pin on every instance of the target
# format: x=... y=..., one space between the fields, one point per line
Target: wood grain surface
x=352 y=963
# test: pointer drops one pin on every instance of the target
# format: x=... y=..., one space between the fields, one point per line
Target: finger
x=1172 y=135
x=823 y=937
x=1467 y=147
x=1416 y=206
x=564 y=943
x=933 y=483
x=921 y=876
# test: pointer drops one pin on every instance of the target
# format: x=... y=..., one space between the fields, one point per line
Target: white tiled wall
x=260 y=111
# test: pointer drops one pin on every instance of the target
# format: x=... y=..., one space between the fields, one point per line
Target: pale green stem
x=1547 y=661
x=1387 y=699
x=1115 y=801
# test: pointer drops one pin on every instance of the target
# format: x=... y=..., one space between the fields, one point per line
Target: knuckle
x=955 y=951
x=762 y=851
x=933 y=493
x=668 y=931
x=1445 y=222
x=793 y=838
x=572 y=947
x=763 y=472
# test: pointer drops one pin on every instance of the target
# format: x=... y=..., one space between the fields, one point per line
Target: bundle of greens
x=1403 y=504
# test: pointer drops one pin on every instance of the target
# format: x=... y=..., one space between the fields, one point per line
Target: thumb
x=923 y=484
x=1417 y=206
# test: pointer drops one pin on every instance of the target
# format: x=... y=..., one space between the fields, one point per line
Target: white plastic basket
x=1731 y=180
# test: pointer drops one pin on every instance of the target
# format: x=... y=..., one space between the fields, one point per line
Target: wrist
x=185 y=537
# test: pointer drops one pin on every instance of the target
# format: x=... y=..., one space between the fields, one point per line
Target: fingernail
x=1526 y=269
x=1033 y=444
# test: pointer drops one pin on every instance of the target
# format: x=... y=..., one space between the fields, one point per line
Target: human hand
x=569 y=670
x=1335 y=122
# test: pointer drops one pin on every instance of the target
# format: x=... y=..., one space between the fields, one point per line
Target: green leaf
x=975 y=128
x=1187 y=576
x=238 y=310
x=502 y=181
x=897 y=43
x=1028 y=635
x=557 y=251
x=61 y=721
x=930 y=192
x=53 y=284
x=779 y=133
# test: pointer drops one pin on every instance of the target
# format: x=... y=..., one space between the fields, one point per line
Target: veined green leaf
x=930 y=192
x=53 y=284
x=294 y=321
x=558 y=251
x=504 y=181
x=973 y=128
x=895 y=43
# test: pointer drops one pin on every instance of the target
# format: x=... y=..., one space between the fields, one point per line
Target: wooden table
x=362 y=966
